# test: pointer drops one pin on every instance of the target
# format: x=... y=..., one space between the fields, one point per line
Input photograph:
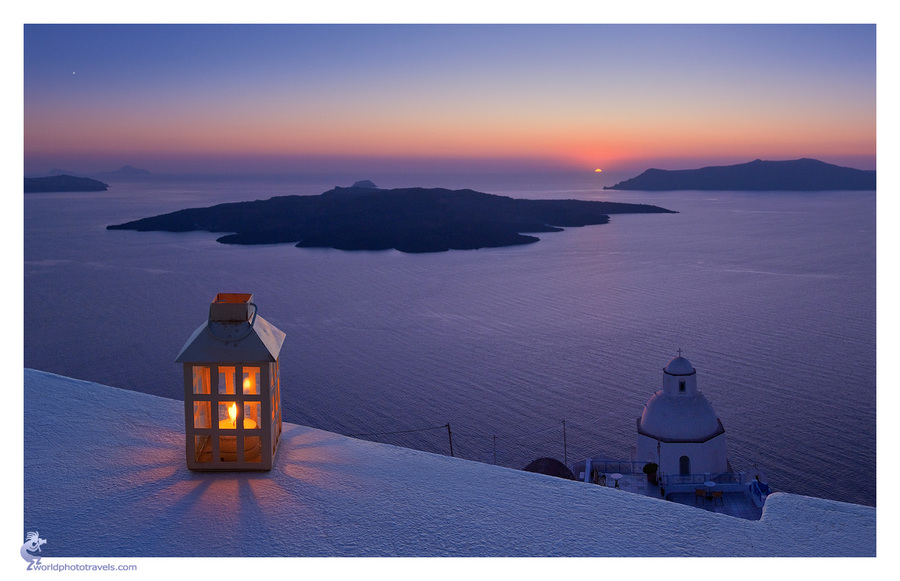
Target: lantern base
x=228 y=459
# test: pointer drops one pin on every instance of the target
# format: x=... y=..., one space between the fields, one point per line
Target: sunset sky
x=289 y=98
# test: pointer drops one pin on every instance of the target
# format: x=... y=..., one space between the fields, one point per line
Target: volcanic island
x=412 y=220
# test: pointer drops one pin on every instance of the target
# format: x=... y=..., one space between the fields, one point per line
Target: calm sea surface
x=770 y=295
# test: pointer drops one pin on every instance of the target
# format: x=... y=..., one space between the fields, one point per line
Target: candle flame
x=232 y=413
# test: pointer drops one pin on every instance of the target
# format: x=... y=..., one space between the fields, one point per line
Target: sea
x=500 y=355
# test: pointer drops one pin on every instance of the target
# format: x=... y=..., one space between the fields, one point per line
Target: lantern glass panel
x=202 y=448
x=251 y=380
x=226 y=380
x=201 y=379
x=202 y=414
x=227 y=415
x=275 y=396
x=251 y=414
x=252 y=449
x=228 y=448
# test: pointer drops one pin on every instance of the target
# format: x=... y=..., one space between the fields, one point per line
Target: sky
x=573 y=97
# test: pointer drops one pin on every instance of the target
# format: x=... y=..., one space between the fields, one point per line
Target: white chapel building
x=679 y=429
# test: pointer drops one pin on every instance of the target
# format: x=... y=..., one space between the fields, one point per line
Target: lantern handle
x=242 y=337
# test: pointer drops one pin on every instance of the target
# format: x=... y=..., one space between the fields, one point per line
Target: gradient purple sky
x=297 y=98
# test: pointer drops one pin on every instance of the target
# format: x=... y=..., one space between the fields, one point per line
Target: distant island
x=63 y=183
x=795 y=175
x=126 y=173
x=365 y=217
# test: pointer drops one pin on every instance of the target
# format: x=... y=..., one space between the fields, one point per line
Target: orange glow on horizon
x=559 y=139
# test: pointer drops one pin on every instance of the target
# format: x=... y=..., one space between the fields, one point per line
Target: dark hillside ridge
x=795 y=175
x=405 y=219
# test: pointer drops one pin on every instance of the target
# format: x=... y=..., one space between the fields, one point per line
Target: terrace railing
x=686 y=482
x=603 y=466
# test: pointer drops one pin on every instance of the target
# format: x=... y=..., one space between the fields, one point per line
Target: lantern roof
x=232 y=334
x=216 y=342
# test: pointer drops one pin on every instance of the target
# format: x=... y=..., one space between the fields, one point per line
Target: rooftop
x=105 y=476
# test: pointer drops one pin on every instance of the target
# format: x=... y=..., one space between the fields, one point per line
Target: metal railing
x=604 y=466
x=726 y=482
x=723 y=478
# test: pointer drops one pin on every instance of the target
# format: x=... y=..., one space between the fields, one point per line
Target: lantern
x=232 y=392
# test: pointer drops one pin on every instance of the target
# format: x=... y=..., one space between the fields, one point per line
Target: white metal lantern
x=232 y=392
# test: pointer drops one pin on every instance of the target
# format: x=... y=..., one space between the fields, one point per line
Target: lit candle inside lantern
x=231 y=422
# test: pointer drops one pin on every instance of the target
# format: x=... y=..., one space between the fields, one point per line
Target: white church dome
x=675 y=417
x=679 y=411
